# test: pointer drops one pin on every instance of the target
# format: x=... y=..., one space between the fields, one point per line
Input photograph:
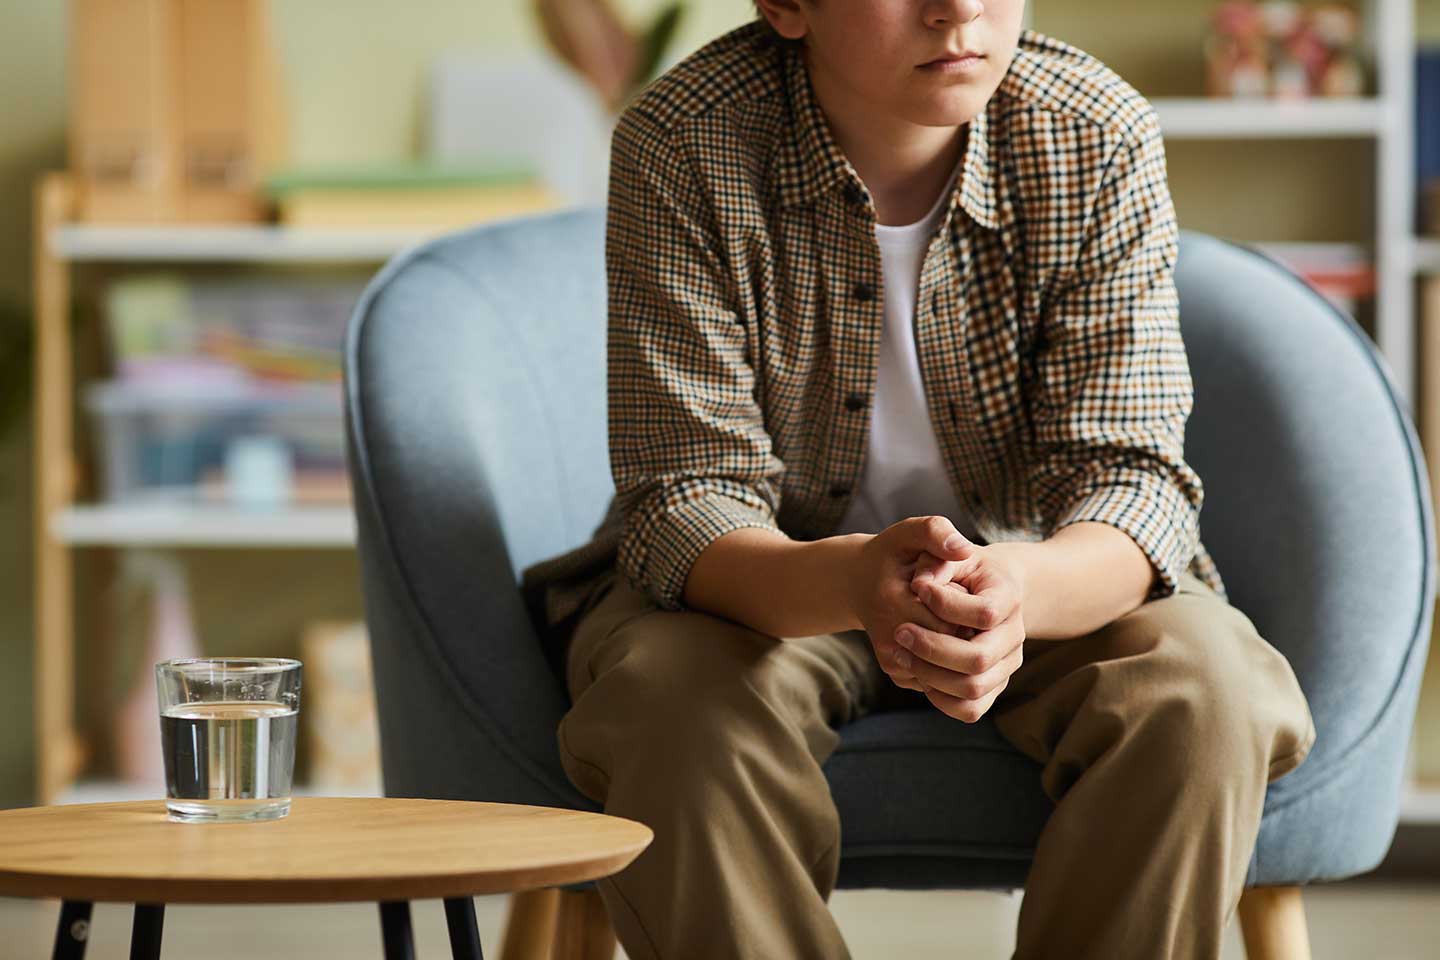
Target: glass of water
x=227 y=727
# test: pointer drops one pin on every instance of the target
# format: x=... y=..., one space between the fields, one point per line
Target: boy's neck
x=904 y=165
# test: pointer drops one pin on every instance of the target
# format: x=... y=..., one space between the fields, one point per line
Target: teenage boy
x=897 y=390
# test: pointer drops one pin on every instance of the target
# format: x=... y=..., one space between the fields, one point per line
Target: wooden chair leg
x=530 y=925
x=1272 y=920
x=582 y=930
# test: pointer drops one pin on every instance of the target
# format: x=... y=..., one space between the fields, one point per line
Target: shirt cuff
x=1157 y=516
x=659 y=546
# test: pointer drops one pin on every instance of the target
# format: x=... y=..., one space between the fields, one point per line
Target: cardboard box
x=232 y=117
x=124 y=114
x=177 y=110
x=337 y=709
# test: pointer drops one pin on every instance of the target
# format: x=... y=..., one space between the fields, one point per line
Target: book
x=417 y=195
x=1427 y=139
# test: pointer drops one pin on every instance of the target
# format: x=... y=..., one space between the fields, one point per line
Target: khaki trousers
x=1157 y=734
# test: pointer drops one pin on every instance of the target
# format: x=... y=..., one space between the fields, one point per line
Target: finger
x=910 y=607
x=968 y=656
x=919 y=613
x=967 y=711
x=954 y=604
x=932 y=569
x=885 y=655
x=964 y=686
x=936 y=535
x=911 y=684
x=928 y=566
x=931 y=615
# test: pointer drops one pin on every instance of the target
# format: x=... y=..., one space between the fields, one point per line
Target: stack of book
x=414 y=196
x=227 y=390
x=1427 y=140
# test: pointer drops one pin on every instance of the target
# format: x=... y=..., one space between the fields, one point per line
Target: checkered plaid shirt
x=745 y=314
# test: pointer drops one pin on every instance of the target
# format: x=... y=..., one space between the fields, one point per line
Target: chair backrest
x=476 y=429
x=1317 y=505
x=477 y=417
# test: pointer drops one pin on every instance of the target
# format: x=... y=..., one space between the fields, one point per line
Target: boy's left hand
x=964 y=674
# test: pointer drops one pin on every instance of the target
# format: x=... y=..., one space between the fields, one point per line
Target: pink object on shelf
x=170 y=635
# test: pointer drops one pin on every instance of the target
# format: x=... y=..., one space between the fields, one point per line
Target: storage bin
x=168 y=443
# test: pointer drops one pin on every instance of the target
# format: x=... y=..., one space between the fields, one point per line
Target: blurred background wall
x=373 y=54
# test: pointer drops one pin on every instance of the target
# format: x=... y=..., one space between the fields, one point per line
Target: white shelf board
x=1427 y=255
x=1216 y=117
x=231 y=243
x=1420 y=804
x=199 y=526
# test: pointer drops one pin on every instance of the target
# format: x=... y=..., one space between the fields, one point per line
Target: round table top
x=328 y=849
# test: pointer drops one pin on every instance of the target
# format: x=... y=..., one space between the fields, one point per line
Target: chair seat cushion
x=915 y=782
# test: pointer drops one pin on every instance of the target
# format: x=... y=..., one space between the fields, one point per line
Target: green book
x=401 y=177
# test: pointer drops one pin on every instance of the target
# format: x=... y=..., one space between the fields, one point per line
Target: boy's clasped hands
x=943 y=614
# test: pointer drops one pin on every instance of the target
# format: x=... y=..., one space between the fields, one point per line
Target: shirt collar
x=809 y=163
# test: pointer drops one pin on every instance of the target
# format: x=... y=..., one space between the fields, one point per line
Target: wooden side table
x=329 y=849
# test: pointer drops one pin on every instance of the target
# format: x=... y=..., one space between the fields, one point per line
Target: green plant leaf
x=656 y=41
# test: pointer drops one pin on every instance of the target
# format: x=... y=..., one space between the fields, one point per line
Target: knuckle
x=971 y=688
x=923 y=646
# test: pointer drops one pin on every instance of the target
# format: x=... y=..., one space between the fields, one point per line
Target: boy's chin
x=947 y=113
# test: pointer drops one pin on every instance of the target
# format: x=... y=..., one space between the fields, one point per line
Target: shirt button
x=864 y=292
x=855 y=401
x=838 y=492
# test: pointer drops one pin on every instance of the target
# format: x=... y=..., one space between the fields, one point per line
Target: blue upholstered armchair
x=475 y=386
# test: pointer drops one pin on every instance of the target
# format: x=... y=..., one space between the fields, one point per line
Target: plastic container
x=219 y=441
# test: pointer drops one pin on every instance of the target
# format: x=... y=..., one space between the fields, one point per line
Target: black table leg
x=464 y=935
x=145 y=934
x=74 y=930
x=395 y=930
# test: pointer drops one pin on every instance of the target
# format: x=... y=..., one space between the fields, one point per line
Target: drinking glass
x=227 y=728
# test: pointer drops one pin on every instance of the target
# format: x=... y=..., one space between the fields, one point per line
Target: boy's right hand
x=880 y=586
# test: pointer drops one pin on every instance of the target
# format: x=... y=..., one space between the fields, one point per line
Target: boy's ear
x=786 y=17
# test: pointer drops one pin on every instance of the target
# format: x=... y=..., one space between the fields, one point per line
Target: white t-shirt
x=904 y=475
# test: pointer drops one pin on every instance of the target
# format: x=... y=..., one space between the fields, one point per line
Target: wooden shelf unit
x=62 y=524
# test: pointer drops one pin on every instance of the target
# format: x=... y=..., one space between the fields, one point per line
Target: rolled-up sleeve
x=689 y=452
x=1112 y=391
